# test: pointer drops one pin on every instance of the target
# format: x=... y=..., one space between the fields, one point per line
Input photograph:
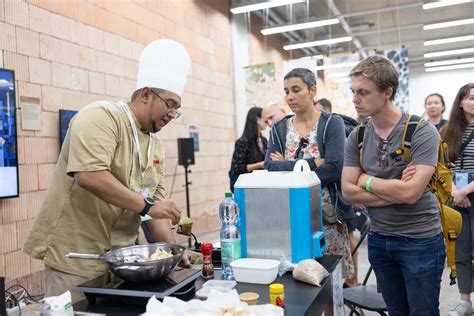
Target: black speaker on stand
x=185 y=159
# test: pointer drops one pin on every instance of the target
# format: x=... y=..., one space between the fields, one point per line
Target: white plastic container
x=219 y=285
x=252 y=270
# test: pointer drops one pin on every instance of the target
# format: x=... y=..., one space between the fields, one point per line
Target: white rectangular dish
x=252 y=270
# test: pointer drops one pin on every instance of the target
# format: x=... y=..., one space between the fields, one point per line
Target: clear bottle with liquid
x=229 y=235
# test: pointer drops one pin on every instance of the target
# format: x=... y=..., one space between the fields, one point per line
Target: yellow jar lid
x=276 y=287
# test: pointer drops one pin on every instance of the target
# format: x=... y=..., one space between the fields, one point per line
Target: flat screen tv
x=9 y=184
x=65 y=117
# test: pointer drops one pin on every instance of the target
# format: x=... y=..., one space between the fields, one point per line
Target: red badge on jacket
x=156 y=162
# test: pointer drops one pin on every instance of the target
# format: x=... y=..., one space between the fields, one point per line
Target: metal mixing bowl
x=142 y=272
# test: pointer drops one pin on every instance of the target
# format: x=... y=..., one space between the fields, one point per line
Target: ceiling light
x=463 y=66
x=447 y=24
x=449 y=52
x=439 y=4
x=300 y=26
x=318 y=43
x=313 y=57
x=449 y=62
x=263 y=5
x=449 y=40
x=337 y=66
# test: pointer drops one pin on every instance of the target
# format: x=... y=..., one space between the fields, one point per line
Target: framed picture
x=9 y=184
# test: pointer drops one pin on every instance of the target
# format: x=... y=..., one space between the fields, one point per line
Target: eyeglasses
x=382 y=153
x=175 y=113
x=299 y=153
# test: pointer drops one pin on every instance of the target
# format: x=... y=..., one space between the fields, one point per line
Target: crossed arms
x=407 y=190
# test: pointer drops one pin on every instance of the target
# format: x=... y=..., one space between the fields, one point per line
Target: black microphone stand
x=188 y=205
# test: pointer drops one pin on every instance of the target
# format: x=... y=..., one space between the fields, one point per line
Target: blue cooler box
x=280 y=214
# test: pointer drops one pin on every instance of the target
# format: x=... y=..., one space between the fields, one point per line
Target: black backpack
x=349 y=123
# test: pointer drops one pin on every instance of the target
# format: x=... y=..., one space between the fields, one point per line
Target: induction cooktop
x=178 y=282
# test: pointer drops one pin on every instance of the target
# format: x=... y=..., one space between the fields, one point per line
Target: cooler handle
x=301 y=166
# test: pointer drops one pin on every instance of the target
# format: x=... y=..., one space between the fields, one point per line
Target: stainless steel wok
x=142 y=270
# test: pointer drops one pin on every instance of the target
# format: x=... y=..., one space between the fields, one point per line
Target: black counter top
x=300 y=298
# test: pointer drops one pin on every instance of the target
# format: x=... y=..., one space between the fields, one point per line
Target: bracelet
x=367 y=184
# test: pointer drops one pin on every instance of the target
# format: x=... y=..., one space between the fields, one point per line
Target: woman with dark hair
x=250 y=148
x=317 y=137
x=458 y=134
x=434 y=109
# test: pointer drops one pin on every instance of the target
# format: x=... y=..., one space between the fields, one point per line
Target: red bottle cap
x=206 y=249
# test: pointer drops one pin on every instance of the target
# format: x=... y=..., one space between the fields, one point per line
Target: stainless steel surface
x=142 y=271
x=268 y=223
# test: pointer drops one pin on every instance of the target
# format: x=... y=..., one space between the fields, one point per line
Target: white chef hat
x=164 y=64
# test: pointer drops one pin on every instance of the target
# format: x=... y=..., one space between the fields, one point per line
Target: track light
x=450 y=62
x=450 y=67
x=313 y=57
x=300 y=26
x=447 y=24
x=318 y=43
x=449 y=40
x=449 y=52
x=263 y=5
x=439 y=4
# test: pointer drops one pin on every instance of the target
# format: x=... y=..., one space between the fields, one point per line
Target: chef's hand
x=408 y=172
x=165 y=209
x=186 y=258
x=277 y=156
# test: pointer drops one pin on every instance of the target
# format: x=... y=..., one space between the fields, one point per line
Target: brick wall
x=70 y=53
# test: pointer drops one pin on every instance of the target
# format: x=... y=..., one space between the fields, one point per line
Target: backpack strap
x=410 y=126
x=360 y=134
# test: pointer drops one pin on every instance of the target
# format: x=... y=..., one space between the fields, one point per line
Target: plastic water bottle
x=230 y=234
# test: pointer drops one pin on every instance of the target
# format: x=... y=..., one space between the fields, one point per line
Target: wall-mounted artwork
x=399 y=57
x=337 y=82
x=260 y=85
x=9 y=186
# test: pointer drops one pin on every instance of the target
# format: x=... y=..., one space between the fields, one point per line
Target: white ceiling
x=373 y=24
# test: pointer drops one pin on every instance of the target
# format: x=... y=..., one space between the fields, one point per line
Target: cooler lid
x=300 y=177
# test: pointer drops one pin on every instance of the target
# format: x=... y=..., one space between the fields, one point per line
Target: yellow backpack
x=440 y=184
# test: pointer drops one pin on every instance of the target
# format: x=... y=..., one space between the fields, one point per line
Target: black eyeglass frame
x=174 y=112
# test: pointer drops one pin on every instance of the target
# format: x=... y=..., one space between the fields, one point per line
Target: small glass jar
x=277 y=294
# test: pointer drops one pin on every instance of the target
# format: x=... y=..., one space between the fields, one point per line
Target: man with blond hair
x=406 y=247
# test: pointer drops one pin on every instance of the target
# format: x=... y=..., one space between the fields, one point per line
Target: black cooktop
x=178 y=282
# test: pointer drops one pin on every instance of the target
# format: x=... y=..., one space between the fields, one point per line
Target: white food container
x=219 y=285
x=252 y=270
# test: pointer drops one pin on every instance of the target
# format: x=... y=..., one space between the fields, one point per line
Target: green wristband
x=367 y=184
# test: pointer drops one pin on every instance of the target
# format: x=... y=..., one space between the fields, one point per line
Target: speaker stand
x=188 y=206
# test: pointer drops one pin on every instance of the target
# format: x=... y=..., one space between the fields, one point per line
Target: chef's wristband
x=367 y=184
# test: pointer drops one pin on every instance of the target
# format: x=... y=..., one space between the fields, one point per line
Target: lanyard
x=127 y=111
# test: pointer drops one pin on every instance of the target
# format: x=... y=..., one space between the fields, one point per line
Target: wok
x=142 y=270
